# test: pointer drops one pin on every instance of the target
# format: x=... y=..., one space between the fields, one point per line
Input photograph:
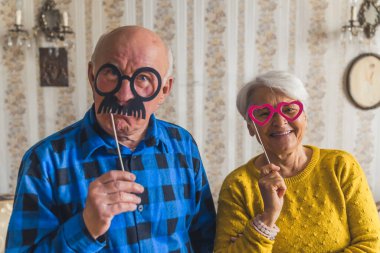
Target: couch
x=6 y=203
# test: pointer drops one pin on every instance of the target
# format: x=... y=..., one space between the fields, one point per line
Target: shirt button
x=134 y=157
x=140 y=208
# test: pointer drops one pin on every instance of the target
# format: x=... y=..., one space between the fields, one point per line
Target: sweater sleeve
x=361 y=210
x=233 y=220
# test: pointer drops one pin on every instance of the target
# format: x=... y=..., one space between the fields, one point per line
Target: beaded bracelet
x=263 y=229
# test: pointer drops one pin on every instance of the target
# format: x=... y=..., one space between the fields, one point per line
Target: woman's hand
x=272 y=188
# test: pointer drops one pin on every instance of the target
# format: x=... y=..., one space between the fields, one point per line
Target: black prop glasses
x=145 y=82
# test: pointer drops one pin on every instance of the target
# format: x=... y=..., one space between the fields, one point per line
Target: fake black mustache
x=134 y=107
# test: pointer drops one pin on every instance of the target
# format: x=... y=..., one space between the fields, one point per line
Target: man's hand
x=109 y=195
x=272 y=188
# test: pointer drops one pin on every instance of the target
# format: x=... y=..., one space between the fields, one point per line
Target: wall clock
x=363 y=81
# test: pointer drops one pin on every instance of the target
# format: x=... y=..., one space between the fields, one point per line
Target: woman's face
x=278 y=136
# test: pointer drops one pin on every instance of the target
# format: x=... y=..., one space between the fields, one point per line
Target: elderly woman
x=293 y=197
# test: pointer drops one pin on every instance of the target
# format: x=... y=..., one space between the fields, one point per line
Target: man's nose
x=125 y=93
x=278 y=120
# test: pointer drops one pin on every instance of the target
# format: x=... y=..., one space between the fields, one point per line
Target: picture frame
x=363 y=81
x=53 y=67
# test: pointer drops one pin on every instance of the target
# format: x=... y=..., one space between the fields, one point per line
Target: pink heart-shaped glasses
x=261 y=114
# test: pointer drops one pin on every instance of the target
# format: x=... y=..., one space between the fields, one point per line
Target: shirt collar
x=94 y=137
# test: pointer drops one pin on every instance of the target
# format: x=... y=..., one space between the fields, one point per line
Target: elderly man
x=73 y=194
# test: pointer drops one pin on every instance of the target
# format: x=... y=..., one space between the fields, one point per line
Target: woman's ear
x=251 y=128
x=305 y=120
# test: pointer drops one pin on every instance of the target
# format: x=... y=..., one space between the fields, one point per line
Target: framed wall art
x=363 y=81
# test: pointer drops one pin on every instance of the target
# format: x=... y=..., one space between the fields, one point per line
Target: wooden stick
x=117 y=142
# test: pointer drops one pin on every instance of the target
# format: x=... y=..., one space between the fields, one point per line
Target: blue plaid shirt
x=176 y=213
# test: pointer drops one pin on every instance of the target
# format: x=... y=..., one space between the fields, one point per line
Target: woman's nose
x=278 y=120
x=125 y=93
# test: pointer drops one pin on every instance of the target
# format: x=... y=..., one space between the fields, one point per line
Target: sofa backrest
x=6 y=205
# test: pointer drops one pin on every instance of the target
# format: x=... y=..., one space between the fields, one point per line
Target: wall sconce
x=17 y=36
x=362 y=24
x=369 y=17
x=54 y=26
x=54 y=36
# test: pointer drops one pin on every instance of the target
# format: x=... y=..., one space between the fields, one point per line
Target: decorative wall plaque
x=363 y=81
x=53 y=67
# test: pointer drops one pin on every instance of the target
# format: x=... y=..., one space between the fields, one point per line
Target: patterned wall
x=218 y=45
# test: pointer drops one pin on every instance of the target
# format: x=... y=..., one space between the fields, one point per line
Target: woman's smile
x=280 y=133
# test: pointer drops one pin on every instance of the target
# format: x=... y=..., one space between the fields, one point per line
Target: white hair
x=287 y=83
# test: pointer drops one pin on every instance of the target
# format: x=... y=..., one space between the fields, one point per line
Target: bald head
x=134 y=36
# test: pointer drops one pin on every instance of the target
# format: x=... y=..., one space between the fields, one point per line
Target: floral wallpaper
x=315 y=80
x=310 y=51
x=292 y=35
x=240 y=124
x=139 y=12
x=65 y=111
x=40 y=95
x=365 y=145
x=89 y=45
x=190 y=66
x=15 y=99
x=114 y=10
x=266 y=35
x=215 y=66
x=164 y=25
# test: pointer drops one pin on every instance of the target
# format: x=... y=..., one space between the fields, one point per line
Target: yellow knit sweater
x=328 y=207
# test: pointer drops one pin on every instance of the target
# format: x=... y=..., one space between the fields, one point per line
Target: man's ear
x=90 y=73
x=166 y=88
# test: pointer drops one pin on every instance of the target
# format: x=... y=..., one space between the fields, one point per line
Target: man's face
x=130 y=52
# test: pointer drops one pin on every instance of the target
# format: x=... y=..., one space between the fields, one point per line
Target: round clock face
x=363 y=81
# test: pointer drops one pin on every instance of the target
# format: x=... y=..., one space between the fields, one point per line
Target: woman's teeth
x=280 y=133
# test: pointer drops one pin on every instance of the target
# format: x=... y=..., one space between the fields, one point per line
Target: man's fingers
x=122 y=197
x=119 y=208
x=116 y=175
x=122 y=186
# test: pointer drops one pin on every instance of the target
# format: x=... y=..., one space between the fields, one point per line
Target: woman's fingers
x=267 y=169
x=233 y=238
x=272 y=187
x=273 y=181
